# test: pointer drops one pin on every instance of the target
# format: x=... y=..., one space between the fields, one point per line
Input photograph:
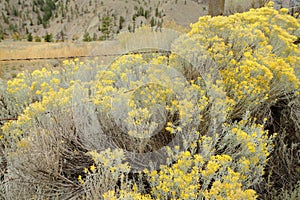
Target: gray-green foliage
x=292 y=194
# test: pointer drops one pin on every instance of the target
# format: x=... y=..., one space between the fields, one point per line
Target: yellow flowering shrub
x=45 y=123
x=229 y=188
x=254 y=52
x=36 y=111
x=179 y=181
x=173 y=104
x=148 y=94
x=104 y=174
x=224 y=169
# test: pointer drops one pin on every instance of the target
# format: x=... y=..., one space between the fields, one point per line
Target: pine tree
x=152 y=22
x=48 y=37
x=29 y=37
x=94 y=37
x=37 y=39
x=121 y=22
x=106 y=26
x=86 y=37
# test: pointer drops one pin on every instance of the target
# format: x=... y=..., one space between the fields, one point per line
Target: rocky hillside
x=60 y=20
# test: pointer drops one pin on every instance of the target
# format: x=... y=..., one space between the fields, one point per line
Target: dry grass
x=25 y=50
x=17 y=50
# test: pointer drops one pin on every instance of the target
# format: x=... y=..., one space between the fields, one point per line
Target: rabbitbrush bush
x=208 y=112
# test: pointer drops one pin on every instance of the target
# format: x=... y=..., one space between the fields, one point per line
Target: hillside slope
x=90 y=19
x=60 y=20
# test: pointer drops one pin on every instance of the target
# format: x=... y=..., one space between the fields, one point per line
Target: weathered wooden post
x=216 y=7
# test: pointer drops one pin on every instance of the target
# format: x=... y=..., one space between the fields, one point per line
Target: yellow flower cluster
x=215 y=163
x=107 y=157
x=195 y=176
x=229 y=188
x=108 y=169
x=125 y=195
x=180 y=181
x=250 y=149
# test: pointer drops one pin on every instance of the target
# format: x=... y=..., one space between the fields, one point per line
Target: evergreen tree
x=94 y=37
x=1 y=34
x=152 y=22
x=121 y=22
x=29 y=37
x=48 y=37
x=87 y=37
x=5 y=18
x=106 y=26
x=37 y=39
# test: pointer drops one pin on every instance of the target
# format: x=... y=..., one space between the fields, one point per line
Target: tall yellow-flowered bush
x=259 y=65
x=253 y=51
x=203 y=108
